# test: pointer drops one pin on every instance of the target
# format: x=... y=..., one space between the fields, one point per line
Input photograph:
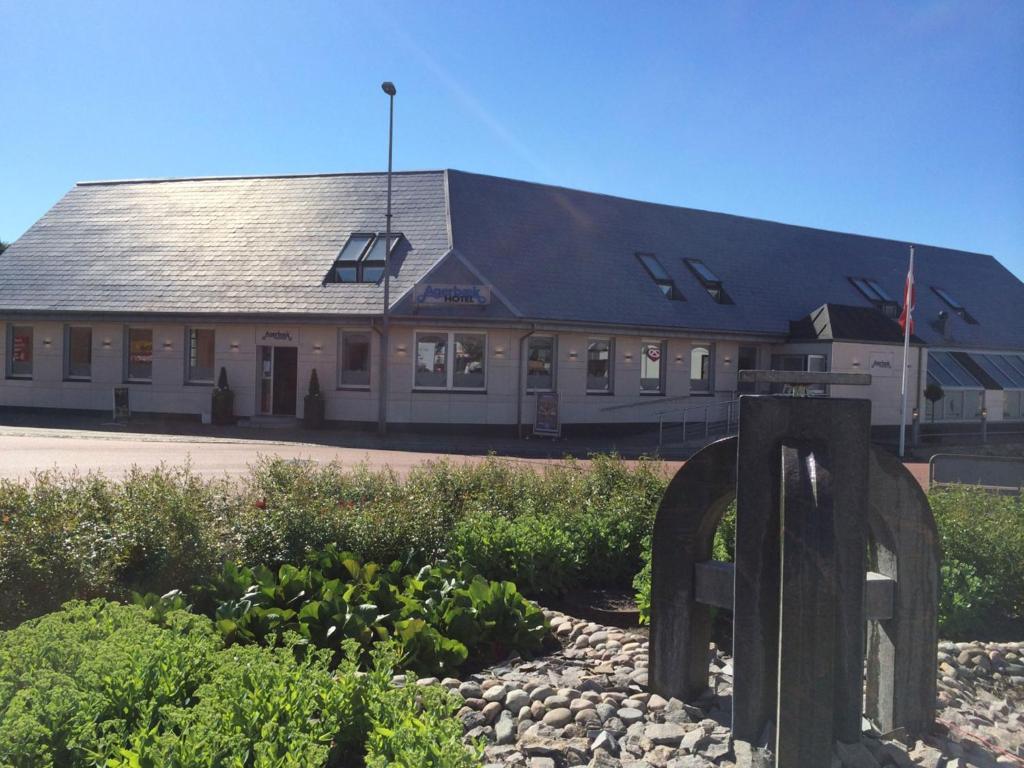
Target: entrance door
x=286 y=368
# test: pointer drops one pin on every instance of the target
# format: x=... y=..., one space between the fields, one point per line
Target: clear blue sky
x=896 y=119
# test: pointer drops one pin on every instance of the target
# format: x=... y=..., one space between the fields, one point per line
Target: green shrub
x=549 y=529
x=99 y=684
x=68 y=536
x=982 y=536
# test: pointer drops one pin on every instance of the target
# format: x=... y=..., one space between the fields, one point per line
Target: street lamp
x=382 y=412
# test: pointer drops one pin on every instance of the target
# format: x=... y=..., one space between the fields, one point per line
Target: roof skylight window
x=872 y=290
x=657 y=272
x=950 y=373
x=361 y=259
x=711 y=282
x=953 y=304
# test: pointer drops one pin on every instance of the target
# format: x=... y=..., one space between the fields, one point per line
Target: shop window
x=701 y=368
x=139 y=354
x=540 y=363
x=19 y=351
x=455 y=361
x=652 y=368
x=657 y=272
x=1013 y=404
x=709 y=280
x=199 y=355
x=77 y=353
x=599 y=366
x=354 y=359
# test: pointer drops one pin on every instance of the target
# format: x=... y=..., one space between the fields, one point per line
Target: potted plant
x=933 y=393
x=222 y=407
x=313 y=412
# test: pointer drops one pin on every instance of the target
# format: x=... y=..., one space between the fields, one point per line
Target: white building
x=499 y=290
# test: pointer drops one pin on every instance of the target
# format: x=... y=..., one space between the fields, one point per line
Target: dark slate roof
x=262 y=245
x=840 y=322
x=562 y=254
x=226 y=245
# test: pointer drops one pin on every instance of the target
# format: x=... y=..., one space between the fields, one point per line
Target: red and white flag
x=906 y=316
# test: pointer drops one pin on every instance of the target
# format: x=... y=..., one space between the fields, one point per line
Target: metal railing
x=700 y=421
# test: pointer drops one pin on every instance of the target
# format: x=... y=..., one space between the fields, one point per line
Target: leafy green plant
x=101 y=684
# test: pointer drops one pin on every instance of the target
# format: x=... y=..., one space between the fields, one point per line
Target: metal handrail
x=730 y=411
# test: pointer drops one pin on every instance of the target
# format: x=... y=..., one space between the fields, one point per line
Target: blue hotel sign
x=435 y=294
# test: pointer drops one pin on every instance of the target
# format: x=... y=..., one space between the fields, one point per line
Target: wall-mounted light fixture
x=317 y=347
x=234 y=346
x=628 y=356
x=400 y=349
x=679 y=359
x=855 y=363
x=167 y=344
x=915 y=414
x=984 y=412
x=106 y=343
x=727 y=361
x=572 y=354
x=499 y=351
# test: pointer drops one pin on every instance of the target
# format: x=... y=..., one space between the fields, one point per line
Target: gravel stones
x=588 y=705
x=559 y=717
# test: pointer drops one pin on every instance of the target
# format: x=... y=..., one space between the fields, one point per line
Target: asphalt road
x=24 y=451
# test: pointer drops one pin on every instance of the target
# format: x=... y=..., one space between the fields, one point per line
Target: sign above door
x=277 y=336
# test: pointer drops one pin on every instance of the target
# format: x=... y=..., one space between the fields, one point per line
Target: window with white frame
x=652 y=367
x=791 y=362
x=701 y=368
x=199 y=355
x=599 y=366
x=77 y=353
x=354 y=359
x=540 y=363
x=19 y=351
x=746 y=360
x=450 y=360
x=138 y=354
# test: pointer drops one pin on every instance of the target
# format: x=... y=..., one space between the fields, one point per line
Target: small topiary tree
x=222 y=407
x=313 y=413
x=933 y=393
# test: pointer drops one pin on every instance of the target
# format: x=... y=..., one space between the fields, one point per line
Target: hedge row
x=568 y=526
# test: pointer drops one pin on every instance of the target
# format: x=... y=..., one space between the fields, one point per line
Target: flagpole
x=908 y=290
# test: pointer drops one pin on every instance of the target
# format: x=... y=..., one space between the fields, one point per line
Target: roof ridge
x=169 y=179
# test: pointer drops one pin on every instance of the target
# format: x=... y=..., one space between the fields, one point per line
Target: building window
x=470 y=351
x=19 y=351
x=354 y=359
x=701 y=368
x=540 y=363
x=139 y=354
x=199 y=355
x=361 y=259
x=77 y=353
x=872 y=290
x=954 y=304
x=652 y=368
x=709 y=280
x=436 y=370
x=746 y=360
x=599 y=366
x=657 y=272
x=813 y=363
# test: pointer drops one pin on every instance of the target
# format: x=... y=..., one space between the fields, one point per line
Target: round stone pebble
x=630 y=715
x=558 y=718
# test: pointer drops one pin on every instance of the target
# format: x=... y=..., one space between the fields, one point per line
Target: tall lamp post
x=382 y=412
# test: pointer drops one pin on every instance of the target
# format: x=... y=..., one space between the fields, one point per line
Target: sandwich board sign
x=546 y=420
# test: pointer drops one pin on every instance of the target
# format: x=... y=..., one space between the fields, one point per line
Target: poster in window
x=141 y=350
x=546 y=420
x=22 y=348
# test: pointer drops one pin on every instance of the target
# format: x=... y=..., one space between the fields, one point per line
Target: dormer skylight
x=711 y=282
x=361 y=259
x=660 y=276
x=953 y=304
x=876 y=294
